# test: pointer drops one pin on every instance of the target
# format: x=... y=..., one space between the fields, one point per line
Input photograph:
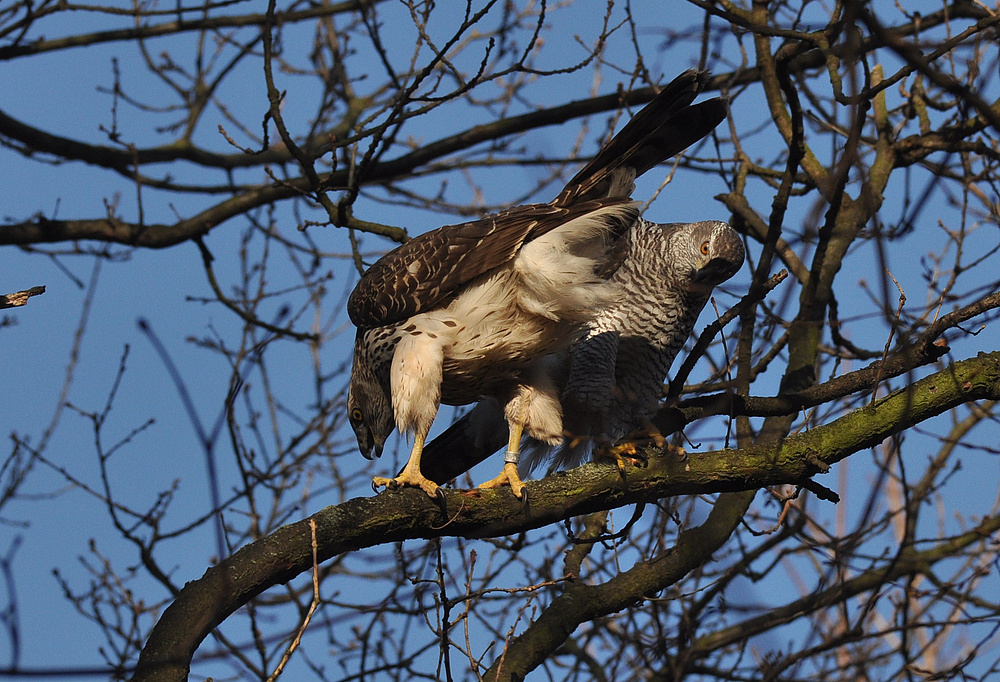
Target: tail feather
x=471 y=439
x=661 y=129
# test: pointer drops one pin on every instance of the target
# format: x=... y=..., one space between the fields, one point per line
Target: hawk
x=613 y=377
x=478 y=309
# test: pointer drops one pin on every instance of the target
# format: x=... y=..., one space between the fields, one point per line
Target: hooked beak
x=371 y=448
x=714 y=271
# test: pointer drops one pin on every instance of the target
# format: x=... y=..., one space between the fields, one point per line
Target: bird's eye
x=356 y=415
x=704 y=248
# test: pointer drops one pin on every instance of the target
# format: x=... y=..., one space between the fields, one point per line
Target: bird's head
x=718 y=252
x=369 y=409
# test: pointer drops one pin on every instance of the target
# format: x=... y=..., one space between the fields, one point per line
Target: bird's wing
x=664 y=127
x=430 y=269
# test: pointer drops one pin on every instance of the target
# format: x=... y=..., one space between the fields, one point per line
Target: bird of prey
x=612 y=378
x=478 y=309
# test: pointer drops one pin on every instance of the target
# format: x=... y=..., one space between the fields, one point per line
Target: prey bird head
x=369 y=406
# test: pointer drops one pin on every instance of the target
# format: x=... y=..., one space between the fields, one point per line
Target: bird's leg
x=509 y=474
x=410 y=475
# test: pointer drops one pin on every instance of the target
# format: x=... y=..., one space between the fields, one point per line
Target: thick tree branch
x=42 y=230
x=124 y=160
x=407 y=514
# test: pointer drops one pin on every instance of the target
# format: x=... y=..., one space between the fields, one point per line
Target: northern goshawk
x=612 y=379
x=478 y=309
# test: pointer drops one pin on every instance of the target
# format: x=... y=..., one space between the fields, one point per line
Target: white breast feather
x=507 y=318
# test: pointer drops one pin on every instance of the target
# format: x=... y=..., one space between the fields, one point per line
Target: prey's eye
x=704 y=248
x=356 y=415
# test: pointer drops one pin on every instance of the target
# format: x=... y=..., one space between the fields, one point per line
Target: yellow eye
x=356 y=415
x=704 y=248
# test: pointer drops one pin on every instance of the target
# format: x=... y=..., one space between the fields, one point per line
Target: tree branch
x=926 y=349
x=169 y=28
x=910 y=562
x=19 y=298
x=581 y=602
x=407 y=514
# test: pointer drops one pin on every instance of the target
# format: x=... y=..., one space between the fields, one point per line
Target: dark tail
x=666 y=126
x=472 y=438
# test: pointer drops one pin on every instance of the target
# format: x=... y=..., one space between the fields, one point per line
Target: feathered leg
x=534 y=409
x=519 y=411
x=415 y=380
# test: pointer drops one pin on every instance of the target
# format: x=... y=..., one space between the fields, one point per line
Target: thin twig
x=750 y=299
x=787 y=502
x=892 y=332
x=313 y=605
x=19 y=298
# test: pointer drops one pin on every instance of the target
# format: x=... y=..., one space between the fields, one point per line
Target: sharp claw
x=524 y=500
x=641 y=460
x=442 y=501
x=374 y=487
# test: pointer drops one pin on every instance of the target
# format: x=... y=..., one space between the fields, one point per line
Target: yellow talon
x=410 y=475
x=508 y=476
x=620 y=454
x=425 y=484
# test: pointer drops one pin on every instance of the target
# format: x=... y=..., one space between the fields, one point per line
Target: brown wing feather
x=430 y=268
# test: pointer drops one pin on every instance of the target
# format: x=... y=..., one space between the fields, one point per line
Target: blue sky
x=60 y=93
